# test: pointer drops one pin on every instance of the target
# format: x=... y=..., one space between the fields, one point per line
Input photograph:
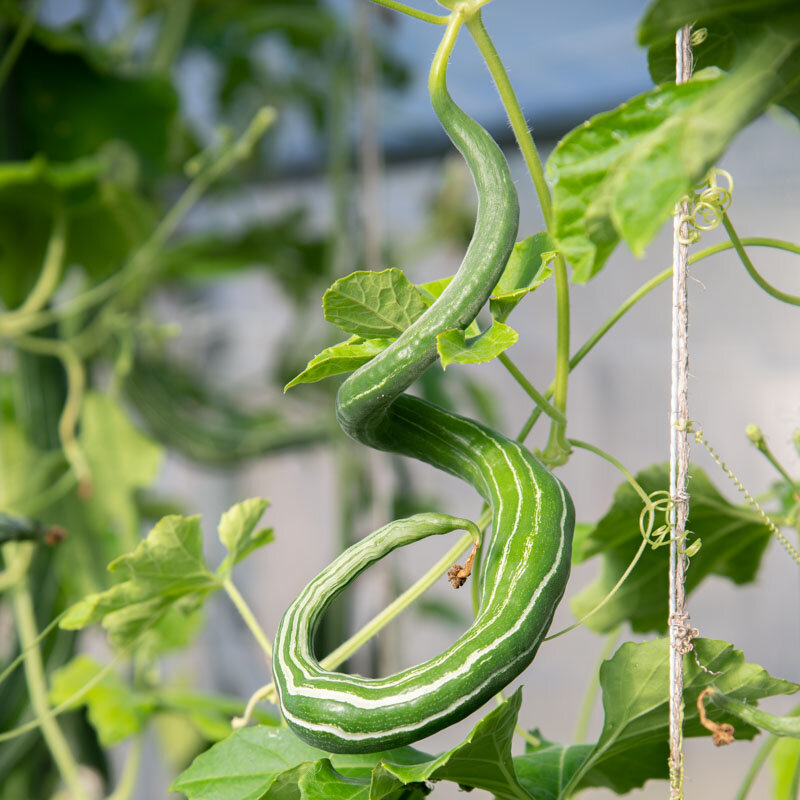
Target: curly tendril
x=708 y=204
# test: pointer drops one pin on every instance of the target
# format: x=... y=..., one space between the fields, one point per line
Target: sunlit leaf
x=373 y=304
x=121 y=460
x=115 y=710
x=237 y=531
x=340 y=358
x=166 y=570
x=455 y=347
x=525 y=271
x=588 y=158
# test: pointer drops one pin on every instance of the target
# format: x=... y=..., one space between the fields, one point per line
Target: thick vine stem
x=642 y=291
x=557 y=449
x=36 y=680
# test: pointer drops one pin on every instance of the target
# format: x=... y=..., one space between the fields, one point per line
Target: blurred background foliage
x=106 y=143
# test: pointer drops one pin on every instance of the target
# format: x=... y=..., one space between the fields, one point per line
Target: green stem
x=177 y=14
x=614 y=462
x=127 y=782
x=37 y=691
x=144 y=260
x=587 y=706
x=516 y=116
x=530 y=389
x=413 y=12
x=248 y=617
x=381 y=620
x=76 y=384
x=757 y=438
x=18 y=559
x=751 y=270
x=755 y=767
x=557 y=449
x=51 y=269
x=21 y=657
x=24 y=30
x=591 y=342
x=777 y=726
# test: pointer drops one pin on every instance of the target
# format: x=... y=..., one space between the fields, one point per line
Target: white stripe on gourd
x=526 y=558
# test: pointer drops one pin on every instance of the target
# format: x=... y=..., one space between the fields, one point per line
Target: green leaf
x=373 y=304
x=546 y=770
x=283 y=247
x=115 y=710
x=588 y=158
x=237 y=531
x=733 y=540
x=482 y=761
x=73 y=101
x=104 y=219
x=454 y=346
x=732 y=29
x=635 y=686
x=525 y=271
x=121 y=460
x=245 y=765
x=166 y=570
x=342 y=357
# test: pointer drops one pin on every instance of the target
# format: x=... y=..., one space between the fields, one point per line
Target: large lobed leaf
x=273 y=764
x=621 y=173
x=167 y=573
x=733 y=541
x=730 y=31
x=632 y=747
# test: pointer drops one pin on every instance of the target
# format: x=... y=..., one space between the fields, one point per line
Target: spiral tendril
x=707 y=205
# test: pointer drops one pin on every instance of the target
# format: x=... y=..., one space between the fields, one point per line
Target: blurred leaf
x=237 y=531
x=105 y=220
x=732 y=29
x=588 y=158
x=115 y=711
x=341 y=357
x=733 y=543
x=165 y=570
x=525 y=271
x=208 y=427
x=454 y=346
x=373 y=304
x=296 y=258
x=121 y=460
x=71 y=101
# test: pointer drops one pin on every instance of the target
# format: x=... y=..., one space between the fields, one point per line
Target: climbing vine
x=311 y=731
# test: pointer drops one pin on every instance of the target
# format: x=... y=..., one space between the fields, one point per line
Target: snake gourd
x=526 y=558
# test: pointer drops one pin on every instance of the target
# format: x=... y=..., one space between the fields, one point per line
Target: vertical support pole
x=679 y=456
